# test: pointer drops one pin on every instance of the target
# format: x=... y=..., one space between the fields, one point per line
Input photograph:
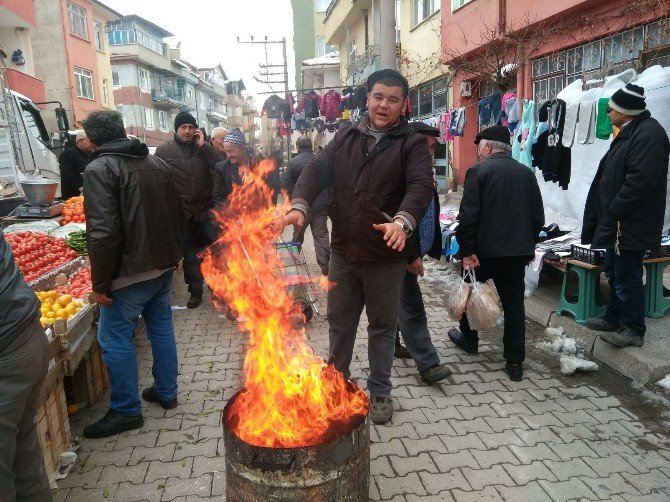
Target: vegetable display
x=73 y=210
x=55 y=306
x=78 y=285
x=36 y=254
x=77 y=241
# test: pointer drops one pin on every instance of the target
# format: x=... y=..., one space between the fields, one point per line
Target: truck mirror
x=61 y=119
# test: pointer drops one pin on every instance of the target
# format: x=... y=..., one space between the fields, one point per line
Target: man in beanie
x=379 y=173
x=192 y=161
x=500 y=219
x=624 y=212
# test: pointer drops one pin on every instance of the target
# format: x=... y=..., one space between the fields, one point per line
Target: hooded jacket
x=395 y=177
x=629 y=189
x=134 y=215
x=192 y=170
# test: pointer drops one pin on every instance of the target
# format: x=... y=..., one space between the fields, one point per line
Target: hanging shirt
x=458 y=121
x=525 y=135
x=603 y=122
x=586 y=127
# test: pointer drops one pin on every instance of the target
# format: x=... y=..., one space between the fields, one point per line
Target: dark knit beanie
x=628 y=100
x=184 y=118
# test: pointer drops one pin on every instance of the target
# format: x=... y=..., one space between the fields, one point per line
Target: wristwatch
x=405 y=227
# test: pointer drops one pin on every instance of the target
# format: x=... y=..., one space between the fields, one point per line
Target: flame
x=291 y=397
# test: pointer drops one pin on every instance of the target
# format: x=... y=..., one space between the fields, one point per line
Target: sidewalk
x=476 y=437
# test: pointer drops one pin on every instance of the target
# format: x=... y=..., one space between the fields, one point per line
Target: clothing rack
x=314 y=89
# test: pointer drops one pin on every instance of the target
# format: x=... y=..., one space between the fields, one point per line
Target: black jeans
x=197 y=236
x=507 y=274
x=624 y=274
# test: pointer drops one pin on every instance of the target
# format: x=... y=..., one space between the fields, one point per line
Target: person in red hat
x=501 y=215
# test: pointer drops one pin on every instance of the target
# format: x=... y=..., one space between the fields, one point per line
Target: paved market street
x=477 y=437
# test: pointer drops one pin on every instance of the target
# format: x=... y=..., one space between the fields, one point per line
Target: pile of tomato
x=36 y=254
x=73 y=210
x=77 y=285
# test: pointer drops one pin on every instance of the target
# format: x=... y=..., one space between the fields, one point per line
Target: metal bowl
x=39 y=192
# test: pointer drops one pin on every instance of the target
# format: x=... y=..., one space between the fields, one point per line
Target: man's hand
x=416 y=267
x=293 y=217
x=470 y=262
x=199 y=138
x=393 y=235
x=101 y=298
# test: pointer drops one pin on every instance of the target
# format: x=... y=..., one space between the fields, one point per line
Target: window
x=124 y=32
x=148 y=118
x=115 y=78
x=189 y=93
x=105 y=92
x=322 y=48
x=162 y=120
x=547 y=88
x=98 y=36
x=321 y=5
x=457 y=4
x=429 y=98
x=84 y=83
x=144 y=79
x=203 y=101
x=77 y=17
x=351 y=50
x=422 y=9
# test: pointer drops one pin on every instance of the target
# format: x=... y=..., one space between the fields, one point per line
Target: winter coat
x=629 y=189
x=72 y=162
x=227 y=175
x=501 y=212
x=192 y=170
x=134 y=214
x=330 y=105
x=292 y=173
x=394 y=178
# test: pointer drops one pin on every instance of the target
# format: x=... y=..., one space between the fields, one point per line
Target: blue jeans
x=624 y=274
x=197 y=236
x=116 y=332
x=375 y=286
x=413 y=324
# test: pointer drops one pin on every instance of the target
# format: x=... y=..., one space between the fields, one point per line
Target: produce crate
x=89 y=380
x=587 y=255
x=76 y=336
x=47 y=281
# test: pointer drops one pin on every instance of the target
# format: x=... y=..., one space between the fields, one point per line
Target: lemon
x=70 y=310
x=60 y=313
x=53 y=294
x=64 y=300
x=51 y=315
x=44 y=320
x=47 y=300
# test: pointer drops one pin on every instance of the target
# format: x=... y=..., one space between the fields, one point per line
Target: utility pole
x=266 y=74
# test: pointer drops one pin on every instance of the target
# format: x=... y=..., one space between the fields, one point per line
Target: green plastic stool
x=656 y=296
x=589 y=302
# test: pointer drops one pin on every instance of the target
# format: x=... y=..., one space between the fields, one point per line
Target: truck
x=25 y=144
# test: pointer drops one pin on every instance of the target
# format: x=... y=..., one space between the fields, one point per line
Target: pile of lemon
x=55 y=306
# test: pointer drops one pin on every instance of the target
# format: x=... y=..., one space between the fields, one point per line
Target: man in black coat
x=72 y=162
x=501 y=216
x=317 y=216
x=624 y=212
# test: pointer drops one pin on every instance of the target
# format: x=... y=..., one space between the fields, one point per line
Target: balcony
x=236 y=121
x=342 y=15
x=364 y=65
x=217 y=115
x=167 y=98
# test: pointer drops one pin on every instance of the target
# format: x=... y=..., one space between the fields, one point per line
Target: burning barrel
x=336 y=471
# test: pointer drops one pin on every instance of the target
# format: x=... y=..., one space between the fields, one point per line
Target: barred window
x=77 y=17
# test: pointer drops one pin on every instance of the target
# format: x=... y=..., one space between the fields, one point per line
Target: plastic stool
x=657 y=298
x=589 y=302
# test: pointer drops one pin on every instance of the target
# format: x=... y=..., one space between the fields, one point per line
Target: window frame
x=79 y=76
x=98 y=36
x=422 y=10
x=149 y=122
x=105 y=92
x=146 y=80
x=74 y=9
x=163 y=120
x=457 y=4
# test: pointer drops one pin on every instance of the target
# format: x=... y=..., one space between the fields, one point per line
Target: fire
x=291 y=397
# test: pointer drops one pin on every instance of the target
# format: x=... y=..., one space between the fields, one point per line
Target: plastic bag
x=457 y=291
x=483 y=308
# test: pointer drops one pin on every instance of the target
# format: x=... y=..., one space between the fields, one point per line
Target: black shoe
x=600 y=324
x=194 y=301
x=514 y=371
x=401 y=352
x=111 y=424
x=149 y=395
x=434 y=374
x=468 y=344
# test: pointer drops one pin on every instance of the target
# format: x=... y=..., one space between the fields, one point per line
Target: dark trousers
x=624 y=274
x=197 y=236
x=413 y=324
x=318 y=222
x=508 y=275
x=23 y=367
x=375 y=286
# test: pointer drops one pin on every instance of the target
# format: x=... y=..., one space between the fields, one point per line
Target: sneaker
x=194 y=301
x=111 y=424
x=381 y=409
x=434 y=374
x=600 y=324
x=468 y=344
x=150 y=396
x=514 y=371
x=624 y=338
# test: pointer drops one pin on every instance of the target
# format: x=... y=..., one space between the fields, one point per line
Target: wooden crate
x=89 y=380
x=53 y=425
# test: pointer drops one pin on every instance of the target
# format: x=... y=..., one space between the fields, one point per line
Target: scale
x=38 y=211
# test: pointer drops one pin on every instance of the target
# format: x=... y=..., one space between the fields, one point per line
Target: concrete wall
x=103 y=57
x=420 y=45
x=12 y=38
x=304 y=42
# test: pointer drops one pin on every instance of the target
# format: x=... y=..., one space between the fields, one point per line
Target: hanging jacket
x=555 y=161
x=330 y=105
x=361 y=98
x=629 y=189
x=276 y=107
x=310 y=102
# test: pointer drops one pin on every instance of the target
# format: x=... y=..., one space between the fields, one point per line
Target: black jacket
x=18 y=303
x=630 y=189
x=134 y=215
x=292 y=173
x=501 y=211
x=192 y=168
x=227 y=175
x=395 y=177
x=72 y=162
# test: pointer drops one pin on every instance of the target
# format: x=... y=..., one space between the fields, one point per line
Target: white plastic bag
x=483 y=307
x=457 y=291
